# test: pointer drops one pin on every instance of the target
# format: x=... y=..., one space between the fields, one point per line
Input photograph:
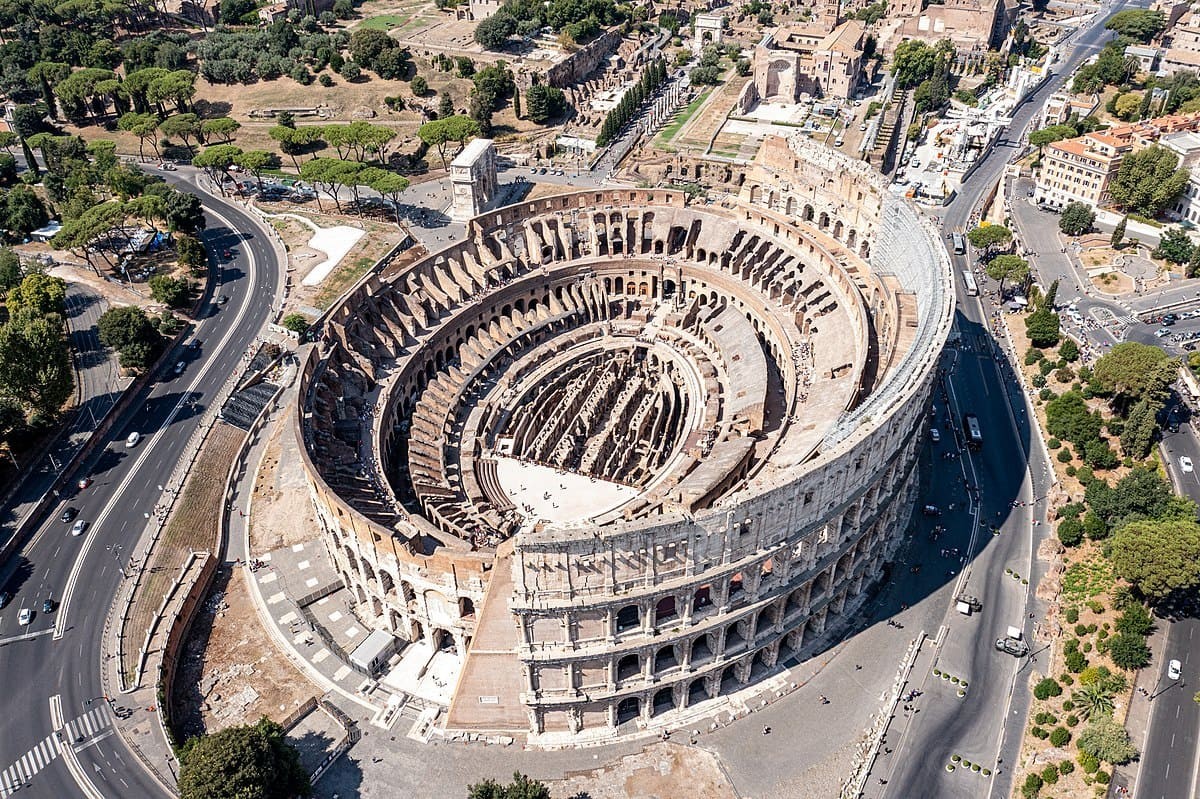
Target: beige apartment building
x=1080 y=169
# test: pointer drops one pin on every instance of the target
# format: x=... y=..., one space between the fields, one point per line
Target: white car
x=1173 y=669
x=133 y=440
x=1185 y=463
x=79 y=526
x=25 y=617
x=935 y=435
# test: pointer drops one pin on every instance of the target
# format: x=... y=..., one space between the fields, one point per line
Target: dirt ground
x=655 y=773
x=280 y=514
x=230 y=672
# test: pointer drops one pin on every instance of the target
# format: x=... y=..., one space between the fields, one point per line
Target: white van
x=133 y=439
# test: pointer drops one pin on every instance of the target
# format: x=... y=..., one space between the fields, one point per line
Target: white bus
x=969 y=283
x=960 y=244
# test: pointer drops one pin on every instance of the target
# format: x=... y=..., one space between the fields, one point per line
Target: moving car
x=222 y=299
x=25 y=616
x=79 y=527
x=179 y=367
x=1173 y=669
x=48 y=606
x=83 y=483
x=5 y=598
x=67 y=515
x=1185 y=463
x=935 y=435
x=931 y=510
x=133 y=440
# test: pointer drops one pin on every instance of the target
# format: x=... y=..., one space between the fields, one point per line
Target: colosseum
x=624 y=452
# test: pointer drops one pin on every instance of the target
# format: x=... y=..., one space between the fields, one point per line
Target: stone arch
x=808 y=213
x=665 y=659
x=664 y=702
x=629 y=666
x=629 y=709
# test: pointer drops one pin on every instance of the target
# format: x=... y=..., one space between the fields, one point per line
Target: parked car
x=1013 y=646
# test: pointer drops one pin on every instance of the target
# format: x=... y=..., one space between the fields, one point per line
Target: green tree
x=1043 y=136
x=216 y=160
x=1076 y=219
x=191 y=253
x=1140 y=428
x=295 y=322
x=1135 y=620
x=10 y=270
x=915 y=61
x=1148 y=180
x=1159 y=557
x=185 y=126
x=1141 y=494
x=246 y=762
x=445 y=105
x=1138 y=24
x=494 y=31
x=521 y=787
x=130 y=332
x=222 y=128
x=39 y=292
x=1132 y=371
x=170 y=291
x=35 y=362
x=24 y=212
x=420 y=87
x=1042 y=327
x=256 y=162
x=1008 y=267
x=990 y=237
x=1118 y=234
x=144 y=126
x=543 y=103
x=1106 y=740
x=440 y=132
x=1069 y=351
x=1175 y=246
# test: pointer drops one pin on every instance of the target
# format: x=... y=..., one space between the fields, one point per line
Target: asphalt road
x=56 y=671
x=1170 y=759
x=985 y=726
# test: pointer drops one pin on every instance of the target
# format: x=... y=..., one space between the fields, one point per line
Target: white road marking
x=149 y=446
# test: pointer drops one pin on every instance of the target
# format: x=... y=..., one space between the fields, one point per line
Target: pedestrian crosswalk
x=45 y=751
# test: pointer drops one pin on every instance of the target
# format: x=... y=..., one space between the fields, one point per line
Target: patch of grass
x=342 y=278
x=1087 y=579
x=384 y=22
x=671 y=130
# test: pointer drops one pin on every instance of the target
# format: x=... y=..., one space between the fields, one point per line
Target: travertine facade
x=753 y=375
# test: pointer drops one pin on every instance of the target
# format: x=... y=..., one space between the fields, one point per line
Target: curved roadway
x=59 y=663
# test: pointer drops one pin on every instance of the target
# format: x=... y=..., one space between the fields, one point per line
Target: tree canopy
x=1107 y=740
x=1008 y=268
x=521 y=787
x=1139 y=24
x=988 y=237
x=253 y=761
x=1133 y=371
x=915 y=61
x=1158 y=556
x=1076 y=219
x=441 y=132
x=1148 y=180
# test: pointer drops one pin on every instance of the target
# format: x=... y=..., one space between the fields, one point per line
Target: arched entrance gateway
x=594 y=459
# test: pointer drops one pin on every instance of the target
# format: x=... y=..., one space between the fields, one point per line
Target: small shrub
x=1059 y=736
x=1066 y=767
x=1064 y=455
x=1031 y=786
x=1054 y=443
x=1038 y=381
x=1072 y=615
x=1095 y=606
x=1089 y=763
x=1070 y=470
x=1068 y=705
x=1033 y=355
x=1050 y=774
x=1072 y=720
x=1066 y=679
x=1103 y=777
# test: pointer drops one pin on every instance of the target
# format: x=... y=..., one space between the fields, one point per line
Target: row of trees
x=628 y=105
x=35 y=365
x=575 y=20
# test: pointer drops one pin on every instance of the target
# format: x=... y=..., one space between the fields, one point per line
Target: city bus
x=960 y=244
x=969 y=283
x=973 y=430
